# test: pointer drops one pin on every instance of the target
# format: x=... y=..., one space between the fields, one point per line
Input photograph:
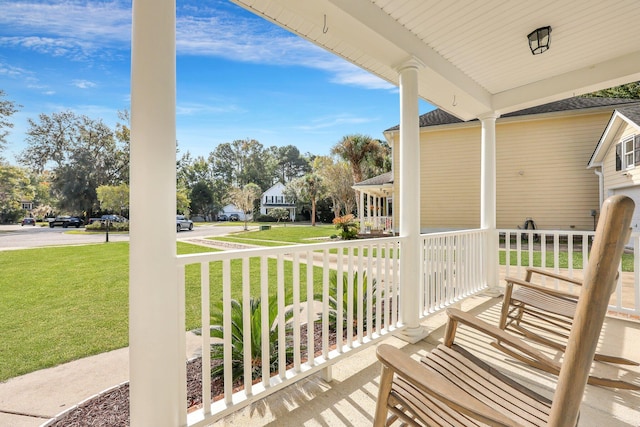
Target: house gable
x=623 y=121
x=274 y=198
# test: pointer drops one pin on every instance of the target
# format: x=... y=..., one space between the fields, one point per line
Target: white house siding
x=626 y=181
x=542 y=172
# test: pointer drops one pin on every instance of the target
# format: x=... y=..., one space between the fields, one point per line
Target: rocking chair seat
x=474 y=381
x=562 y=306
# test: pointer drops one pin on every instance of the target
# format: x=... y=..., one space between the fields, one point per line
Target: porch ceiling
x=476 y=54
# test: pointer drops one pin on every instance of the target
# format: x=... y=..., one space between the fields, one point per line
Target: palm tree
x=356 y=150
x=313 y=188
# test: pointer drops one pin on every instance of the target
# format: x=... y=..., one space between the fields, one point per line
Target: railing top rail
x=452 y=233
x=550 y=231
x=278 y=250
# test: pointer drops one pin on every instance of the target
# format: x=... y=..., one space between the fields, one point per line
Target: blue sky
x=238 y=76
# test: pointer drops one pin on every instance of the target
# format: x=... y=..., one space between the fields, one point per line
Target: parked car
x=28 y=221
x=222 y=217
x=234 y=217
x=113 y=218
x=182 y=223
x=66 y=221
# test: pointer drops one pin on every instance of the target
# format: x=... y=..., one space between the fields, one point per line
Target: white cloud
x=83 y=84
x=85 y=29
x=333 y=121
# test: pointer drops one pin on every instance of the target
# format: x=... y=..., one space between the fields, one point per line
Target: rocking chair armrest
x=434 y=385
x=554 y=292
x=543 y=272
x=508 y=340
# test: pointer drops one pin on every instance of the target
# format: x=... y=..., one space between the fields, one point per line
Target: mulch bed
x=111 y=409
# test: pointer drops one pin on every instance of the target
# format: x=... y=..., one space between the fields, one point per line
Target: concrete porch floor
x=349 y=400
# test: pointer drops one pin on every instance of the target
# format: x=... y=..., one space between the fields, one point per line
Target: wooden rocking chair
x=539 y=312
x=452 y=387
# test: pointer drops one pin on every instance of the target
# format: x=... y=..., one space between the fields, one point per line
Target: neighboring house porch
x=376 y=204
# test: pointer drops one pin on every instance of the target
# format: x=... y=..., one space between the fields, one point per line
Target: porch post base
x=327 y=374
x=493 y=292
x=413 y=335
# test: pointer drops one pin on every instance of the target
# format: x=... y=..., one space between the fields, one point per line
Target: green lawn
x=62 y=303
x=563 y=260
x=281 y=234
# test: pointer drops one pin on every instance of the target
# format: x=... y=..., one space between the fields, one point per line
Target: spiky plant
x=333 y=299
x=238 y=330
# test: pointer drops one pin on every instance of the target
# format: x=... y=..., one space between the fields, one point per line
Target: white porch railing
x=567 y=252
x=452 y=268
x=377 y=223
x=283 y=273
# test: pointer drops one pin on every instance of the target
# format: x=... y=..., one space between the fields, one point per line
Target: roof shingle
x=440 y=117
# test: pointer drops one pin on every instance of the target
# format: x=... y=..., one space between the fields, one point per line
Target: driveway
x=19 y=237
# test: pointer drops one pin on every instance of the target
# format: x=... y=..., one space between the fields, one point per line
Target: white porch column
x=410 y=265
x=156 y=395
x=488 y=202
x=361 y=211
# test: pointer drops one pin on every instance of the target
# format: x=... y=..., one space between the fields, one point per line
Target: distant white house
x=274 y=198
x=231 y=209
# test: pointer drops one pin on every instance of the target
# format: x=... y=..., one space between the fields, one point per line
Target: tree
x=363 y=153
x=82 y=154
x=201 y=198
x=15 y=187
x=241 y=162
x=7 y=109
x=629 y=90
x=355 y=149
x=279 y=214
x=309 y=188
x=113 y=198
x=244 y=198
x=290 y=164
x=182 y=201
x=338 y=180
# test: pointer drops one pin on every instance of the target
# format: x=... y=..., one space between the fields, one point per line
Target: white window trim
x=626 y=165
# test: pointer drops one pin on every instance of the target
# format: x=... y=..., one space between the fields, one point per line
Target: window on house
x=628 y=153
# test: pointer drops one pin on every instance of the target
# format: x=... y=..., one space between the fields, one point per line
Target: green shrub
x=238 y=329
x=114 y=226
x=333 y=299
x=348 y=227
x=264 y=218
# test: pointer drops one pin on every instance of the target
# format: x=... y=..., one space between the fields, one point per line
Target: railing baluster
x=310 y=311
x=379 y=289
x=282 y=344
x=246 y=326
x=205 y=312
x=370 y=280
x=226 y=325
x=360 y=295
x=325 y=304
x=340 y=299
x=264 y=320
x=395 y=283
x=350 y=297
x=296 y=311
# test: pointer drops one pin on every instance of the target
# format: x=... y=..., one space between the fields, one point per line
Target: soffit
x=475 y=53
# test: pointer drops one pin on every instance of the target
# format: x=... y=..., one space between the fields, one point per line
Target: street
x=16 y=236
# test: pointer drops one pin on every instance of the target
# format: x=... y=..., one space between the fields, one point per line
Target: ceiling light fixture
x=539 y=40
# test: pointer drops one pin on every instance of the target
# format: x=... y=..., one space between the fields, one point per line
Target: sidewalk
x=34 y=398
